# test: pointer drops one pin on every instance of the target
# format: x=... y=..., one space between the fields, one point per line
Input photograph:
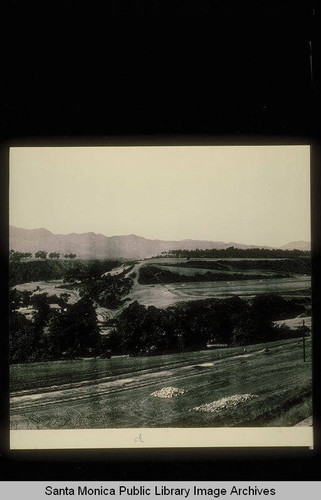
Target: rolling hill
x=91 y=245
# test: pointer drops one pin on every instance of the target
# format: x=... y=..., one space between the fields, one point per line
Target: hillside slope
x=91 y=245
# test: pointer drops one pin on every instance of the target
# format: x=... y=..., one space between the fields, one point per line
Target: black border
x=176 y=464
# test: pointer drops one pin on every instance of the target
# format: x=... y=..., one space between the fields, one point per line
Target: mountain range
x=91 y=245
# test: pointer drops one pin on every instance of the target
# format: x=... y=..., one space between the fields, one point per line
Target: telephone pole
x=303 y=339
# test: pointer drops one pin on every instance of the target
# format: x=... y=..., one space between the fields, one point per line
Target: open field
x=294 y=323
x=102 y=393
x=54 y=287
x=169 y=294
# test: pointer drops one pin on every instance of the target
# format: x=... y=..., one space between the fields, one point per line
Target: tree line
x=15 y=256
x=233 y=321
x=153 y=275
x=233 y=252
x=70 y=270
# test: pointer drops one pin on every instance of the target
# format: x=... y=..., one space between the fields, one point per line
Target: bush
x=23 y=340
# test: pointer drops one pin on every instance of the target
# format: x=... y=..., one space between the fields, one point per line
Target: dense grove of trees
x=24 y=272
x=69 y=270
x=190 y=326
x=152 y=275
x=70 y=332
x=107 y=291
x=301 y=265
x=73 y=330
x=88 y=270
x=17 y=256
x=233 y=252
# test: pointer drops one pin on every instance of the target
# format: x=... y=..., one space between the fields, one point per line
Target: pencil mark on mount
x=139 y=438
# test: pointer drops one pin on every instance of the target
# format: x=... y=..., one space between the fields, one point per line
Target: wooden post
x=303 y=338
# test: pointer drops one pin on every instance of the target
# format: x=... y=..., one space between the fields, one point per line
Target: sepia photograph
x=160 y=287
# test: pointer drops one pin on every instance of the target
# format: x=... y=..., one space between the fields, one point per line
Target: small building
x=55 y=307
x=27 y=312
x=216 y=346
x=118 y=270
x=105 y=331
x=103 y=314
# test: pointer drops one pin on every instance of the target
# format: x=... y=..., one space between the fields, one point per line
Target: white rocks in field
x=224 y=403
x=168 y=392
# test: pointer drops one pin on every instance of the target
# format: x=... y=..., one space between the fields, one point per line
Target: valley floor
x=118 y=392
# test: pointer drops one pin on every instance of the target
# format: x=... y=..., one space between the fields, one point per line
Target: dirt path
x=307 y=422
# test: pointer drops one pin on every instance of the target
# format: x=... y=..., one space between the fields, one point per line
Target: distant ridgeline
x=233 y=252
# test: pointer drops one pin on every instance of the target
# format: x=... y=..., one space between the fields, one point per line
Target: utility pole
x=303 y=339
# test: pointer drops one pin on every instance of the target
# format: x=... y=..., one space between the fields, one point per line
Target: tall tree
x=41 y=254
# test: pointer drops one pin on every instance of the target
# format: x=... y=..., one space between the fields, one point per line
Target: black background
x=160 y=72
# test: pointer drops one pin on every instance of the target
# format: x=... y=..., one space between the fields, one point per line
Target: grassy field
x=54 y=287
x=117 y=393
x=162 y=294
x=169 y=294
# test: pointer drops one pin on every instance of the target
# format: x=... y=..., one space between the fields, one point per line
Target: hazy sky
x=255 y=195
